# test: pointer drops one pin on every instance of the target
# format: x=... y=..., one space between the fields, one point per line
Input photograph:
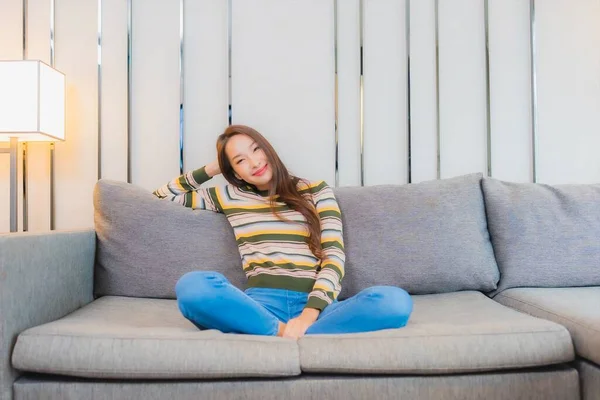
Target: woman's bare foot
x=281 y=329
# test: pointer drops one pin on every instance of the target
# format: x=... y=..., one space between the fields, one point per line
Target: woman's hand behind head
x=213 y=168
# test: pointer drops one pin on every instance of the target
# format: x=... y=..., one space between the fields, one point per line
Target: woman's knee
x=396 y=302
x=198 y=283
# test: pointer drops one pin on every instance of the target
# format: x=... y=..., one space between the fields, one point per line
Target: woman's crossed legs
x=209 y=301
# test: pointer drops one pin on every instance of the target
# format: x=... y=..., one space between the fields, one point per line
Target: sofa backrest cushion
x=544 y=236
x=146 y=244
x=429 y=237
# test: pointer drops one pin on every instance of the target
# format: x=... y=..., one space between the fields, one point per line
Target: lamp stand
x=14 y=144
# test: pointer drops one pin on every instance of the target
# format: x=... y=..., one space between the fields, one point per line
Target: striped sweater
x=275 y=253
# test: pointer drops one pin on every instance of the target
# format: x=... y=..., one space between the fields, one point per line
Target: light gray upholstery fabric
x=428 y=237
x=146 y=244
x=544 y=236
x=42 y=277
x=578 y=309
x=128 y=338
x=589 y=377
x=447 y=333
x=559 y=384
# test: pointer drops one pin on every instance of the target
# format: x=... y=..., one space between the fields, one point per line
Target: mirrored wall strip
x=25 y=191
x=408 y=93
x=229 y=40
x=52 y=194
x=52 y=19
x=52 y=144
x=534 y=122
x=335 y=94
x=129 y=83
x=99 y=89
x=437 y=88
x=488 y=110
x=181 y=89
x=14 y=193
x=362 y=95
x=25 y=199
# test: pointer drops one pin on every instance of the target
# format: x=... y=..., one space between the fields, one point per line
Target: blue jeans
x=211 y=302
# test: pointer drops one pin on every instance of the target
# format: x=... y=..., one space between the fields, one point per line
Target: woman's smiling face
x=249 y=161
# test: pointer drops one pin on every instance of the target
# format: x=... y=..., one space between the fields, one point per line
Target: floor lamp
x=32 y=109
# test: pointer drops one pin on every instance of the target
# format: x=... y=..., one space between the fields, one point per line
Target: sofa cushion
x=130 y=338
x=145 y=244
x=447 y=333
x=544 y=236
x=578 y=309
x=428 y=237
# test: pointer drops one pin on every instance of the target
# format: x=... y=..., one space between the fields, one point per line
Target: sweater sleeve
x=186 y=190
x=328 y=284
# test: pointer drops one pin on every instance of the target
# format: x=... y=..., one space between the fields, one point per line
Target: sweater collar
x=253 y=189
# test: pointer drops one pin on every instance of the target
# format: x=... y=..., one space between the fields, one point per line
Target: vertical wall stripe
x=487 y=87
x=99 y=89
x=181 y=89
x=534 y=133
x=408 y=94
x=437 y=87
x=52 y=146
x=335 y=95
x=362 y=95
x=229 y=40
x=25 y=55
x=129 y=82
x=25 y=191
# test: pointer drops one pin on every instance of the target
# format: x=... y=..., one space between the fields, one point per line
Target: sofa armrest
x=43 y=277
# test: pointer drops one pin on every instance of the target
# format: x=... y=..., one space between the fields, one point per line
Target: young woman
x=289 y=235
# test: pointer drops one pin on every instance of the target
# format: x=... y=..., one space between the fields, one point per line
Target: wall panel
x=113 y=141
x=462 y=85
x=206 y=80
x=385 y=92
x=38 y=154
x=77 y=157
x=424 y=146
x=155 y=92
x=510 y=94
x=283 y=80
x=348 y=65
x=568 y=60
x=11 y=48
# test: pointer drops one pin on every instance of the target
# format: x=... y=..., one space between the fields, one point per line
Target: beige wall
x=283 y=83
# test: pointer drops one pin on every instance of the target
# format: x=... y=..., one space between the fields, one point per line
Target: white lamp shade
x=32 y=101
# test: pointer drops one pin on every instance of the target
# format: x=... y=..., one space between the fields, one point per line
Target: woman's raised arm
x=186 y=190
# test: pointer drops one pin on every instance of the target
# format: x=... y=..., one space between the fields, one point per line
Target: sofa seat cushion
x=134 y=338
x=578 y=309
x=447 y=333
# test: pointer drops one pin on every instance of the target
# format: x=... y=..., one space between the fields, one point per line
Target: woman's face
x=249 y=161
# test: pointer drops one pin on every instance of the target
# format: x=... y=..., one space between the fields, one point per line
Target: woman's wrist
x=310 y=314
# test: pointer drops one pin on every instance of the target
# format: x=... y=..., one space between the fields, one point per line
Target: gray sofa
x=505 y=279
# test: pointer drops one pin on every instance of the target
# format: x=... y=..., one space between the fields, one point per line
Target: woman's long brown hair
x=282 y=183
